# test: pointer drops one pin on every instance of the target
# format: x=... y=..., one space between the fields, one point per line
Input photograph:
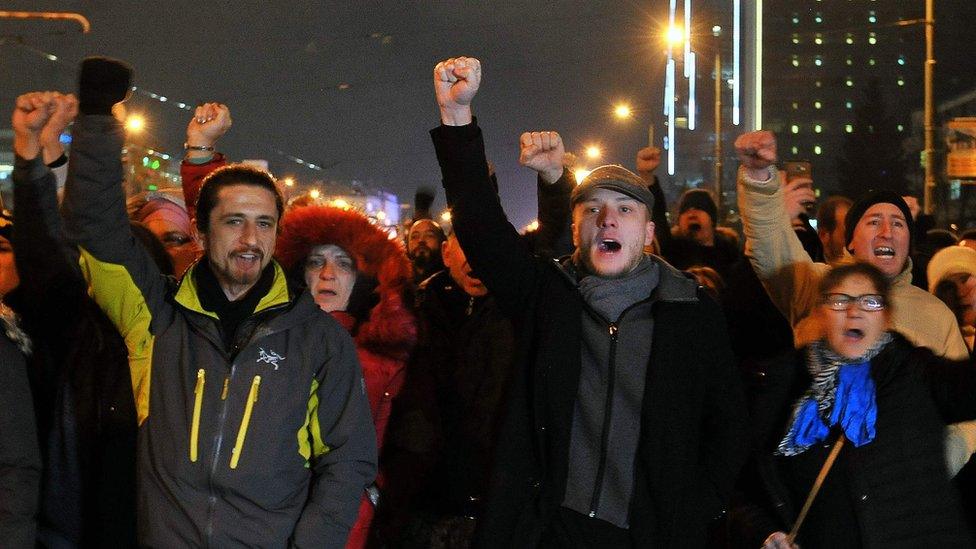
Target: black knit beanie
x=700 y=199
x=876 y=197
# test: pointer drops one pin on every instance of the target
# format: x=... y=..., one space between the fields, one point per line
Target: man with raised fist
x=878 y=231
x=619 y=433
x=256 y=431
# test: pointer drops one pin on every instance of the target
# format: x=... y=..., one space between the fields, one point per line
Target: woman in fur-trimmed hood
x=357 y=274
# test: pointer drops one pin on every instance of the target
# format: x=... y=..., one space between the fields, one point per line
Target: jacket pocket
x=197 y=406
x=252 y=397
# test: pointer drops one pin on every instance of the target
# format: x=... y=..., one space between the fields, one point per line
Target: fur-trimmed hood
x=390 y=328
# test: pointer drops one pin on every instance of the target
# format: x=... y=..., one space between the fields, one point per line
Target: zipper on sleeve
x=197 y=406
x=252 y=397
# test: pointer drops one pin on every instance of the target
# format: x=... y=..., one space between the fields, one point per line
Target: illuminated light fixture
x=849 y=128
x=736 y=53
x=446 y=216
x=817 y=104
x=315 y=194
x=135 y=123
x=533 y=226
x=593 y=152
x=340 y=203
x=580 y=174
x=623 y=111
x=288 y=181
x=817 y=149
x=794 y=129
x=690 y=68
x=795 y=150
x=817 y=128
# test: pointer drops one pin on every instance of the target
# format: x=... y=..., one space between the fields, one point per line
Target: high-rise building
x=820 y=55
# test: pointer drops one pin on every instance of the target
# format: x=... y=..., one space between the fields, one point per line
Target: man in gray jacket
x=257 y=431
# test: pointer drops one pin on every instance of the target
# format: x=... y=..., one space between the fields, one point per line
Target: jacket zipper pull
x=613 y=331
x=197 y=406
x=252 y=397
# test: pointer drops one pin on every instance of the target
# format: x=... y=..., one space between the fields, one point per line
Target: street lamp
x=593 y=152
x=135 y=123
x=623 y=111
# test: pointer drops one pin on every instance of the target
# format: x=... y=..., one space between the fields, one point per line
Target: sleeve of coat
x=20 y=457
x=192 y=176
x=789 y=275
x=554 y=237
x=490 y=242
x=342 y=448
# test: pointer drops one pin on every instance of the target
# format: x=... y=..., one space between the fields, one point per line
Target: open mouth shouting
x=854 y=335
x=608 y=246
x=884 y=252
x=247 y=259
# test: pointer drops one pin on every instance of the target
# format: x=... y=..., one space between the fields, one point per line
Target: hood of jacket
x=390 y=329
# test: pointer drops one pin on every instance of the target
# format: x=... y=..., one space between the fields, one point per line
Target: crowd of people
x=214 y=366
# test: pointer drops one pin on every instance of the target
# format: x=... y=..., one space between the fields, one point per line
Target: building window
x=817 y=104
x=795 y=149
x=818 y=18
x=796 y=19
x=901 y=127
x=818 y=39
x=872 y=38
x=818 y=84
x=872 y=17
x=817 y=149
x=901 y=81
x=796 y=105
x=796 y=61
x=871 y=61
x=848 y=105
x=849 y=128
x=849 y=82
x=849 y=39
x=901 y=60
x=848 y=61
x=796 y=38
x=818 y=128
x=818 y=61
x=794 y=129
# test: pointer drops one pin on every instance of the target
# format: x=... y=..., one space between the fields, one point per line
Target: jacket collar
x=186 y=293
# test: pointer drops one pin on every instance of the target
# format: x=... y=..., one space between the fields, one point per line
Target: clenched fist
x=210 y=121
x=543 y=152
x=756 y=151
x=648 y=159
x=31 y=112
x=456 y=81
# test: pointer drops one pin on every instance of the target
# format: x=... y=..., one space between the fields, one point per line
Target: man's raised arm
x=492 y=245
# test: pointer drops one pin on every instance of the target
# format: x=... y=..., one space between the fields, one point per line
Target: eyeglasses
x=866 y=302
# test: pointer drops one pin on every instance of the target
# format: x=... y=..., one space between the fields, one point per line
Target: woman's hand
x=777 y=540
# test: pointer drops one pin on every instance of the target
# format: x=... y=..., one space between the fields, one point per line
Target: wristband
x=189 y=147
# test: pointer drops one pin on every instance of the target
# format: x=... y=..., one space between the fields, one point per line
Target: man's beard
x=425 y=264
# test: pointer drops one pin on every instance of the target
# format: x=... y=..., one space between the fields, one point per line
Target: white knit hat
x=949 y=261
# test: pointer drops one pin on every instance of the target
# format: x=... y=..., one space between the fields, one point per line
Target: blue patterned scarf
x=842 y=394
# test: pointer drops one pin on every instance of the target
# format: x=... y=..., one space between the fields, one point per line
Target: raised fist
x=32 y=111
x=65 y=109
x=756 y=150
x=210 y=121
x=456 y=82
x=913 y=205
x=543 y=152
x=648 y=159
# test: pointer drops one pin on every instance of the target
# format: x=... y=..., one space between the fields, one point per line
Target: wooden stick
x=816 y=487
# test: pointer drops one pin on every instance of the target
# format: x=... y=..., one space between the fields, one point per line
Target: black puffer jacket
x=894 y=491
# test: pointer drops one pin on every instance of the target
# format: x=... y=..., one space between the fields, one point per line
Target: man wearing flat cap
x=625 y=420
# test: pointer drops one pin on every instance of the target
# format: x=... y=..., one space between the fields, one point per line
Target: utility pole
x=718 y=129
x=929 y=196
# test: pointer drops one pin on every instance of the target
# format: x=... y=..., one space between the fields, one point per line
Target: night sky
x=280 y=66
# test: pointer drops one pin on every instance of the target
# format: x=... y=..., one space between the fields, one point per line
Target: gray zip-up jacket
x=268 y=446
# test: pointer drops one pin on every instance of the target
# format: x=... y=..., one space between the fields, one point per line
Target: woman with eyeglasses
x=880 y=405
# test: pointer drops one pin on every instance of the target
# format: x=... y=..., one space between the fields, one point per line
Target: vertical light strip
x=690 y=62
x=736 y=52
x=757 y=122
x=687 y=33
x=671 y=143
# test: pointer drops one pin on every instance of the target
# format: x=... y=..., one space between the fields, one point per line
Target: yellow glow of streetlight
x=135 y=123
x=446 y=216
x=593 y=152
x=340 y=203
x=288 y=181
x=675 y=35
x=581 y=174
x=315 y=194
x=623 y=111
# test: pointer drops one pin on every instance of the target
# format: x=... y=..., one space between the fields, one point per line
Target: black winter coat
x=692 y=419
x=896 y=486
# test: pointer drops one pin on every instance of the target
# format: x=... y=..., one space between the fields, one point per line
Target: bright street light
x=675 y=36
x=580 y=174
x=623 y=111
x=446 y=216
x=288 y=181
x=314 y=194
x=593 y=152
x=135 y=123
